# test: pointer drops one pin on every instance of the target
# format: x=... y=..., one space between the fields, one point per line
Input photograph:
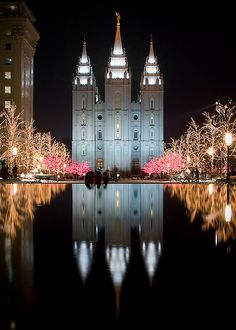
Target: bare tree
x=28 y=147
x=12 y=134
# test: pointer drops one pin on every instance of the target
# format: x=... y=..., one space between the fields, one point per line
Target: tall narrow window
x=152 y=119
x=99 y=135
x=135 y=135
x=151 y=103
x=83 y=103
x=117 y=127
x=83 y=134
x=117 y=101
x=152 y=134
x=7 y=75
x=83 y=120
x=83 y=153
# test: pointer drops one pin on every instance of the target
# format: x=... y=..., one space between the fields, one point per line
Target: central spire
x=118 y=50
x=151 y=57
x=118 y=64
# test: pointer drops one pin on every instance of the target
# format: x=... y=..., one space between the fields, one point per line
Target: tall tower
x=117 y=132
x=117 y=143
x=18 y=40
x=151 y=98
x=84 y=96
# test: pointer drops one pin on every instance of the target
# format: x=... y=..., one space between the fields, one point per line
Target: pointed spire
x=118 y=50
x=84 y=57
x=151 y=74
x=118 y=64
x=151 y=58
x=84 y=74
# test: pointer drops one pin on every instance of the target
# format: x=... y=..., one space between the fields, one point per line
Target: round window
x=135 y=147
x=99 y=147
x=135 y=117
x=99 y=117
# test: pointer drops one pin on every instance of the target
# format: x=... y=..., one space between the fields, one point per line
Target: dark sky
x=195 y=46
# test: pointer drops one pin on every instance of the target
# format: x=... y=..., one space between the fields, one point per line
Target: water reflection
x=20 y=201
x=117 y=211
x=216 y=203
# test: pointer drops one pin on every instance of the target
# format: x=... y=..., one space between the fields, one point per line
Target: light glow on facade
x=151 y=80
x=83 y=69
x=117 y=61
x=151 y=69
x=83 y=81
x=118 y=145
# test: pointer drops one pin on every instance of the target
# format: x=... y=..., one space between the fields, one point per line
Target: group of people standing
x=98 y=177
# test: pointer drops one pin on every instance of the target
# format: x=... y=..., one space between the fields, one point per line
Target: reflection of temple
x=117 y=209
x=216 y=203
x=17 y=208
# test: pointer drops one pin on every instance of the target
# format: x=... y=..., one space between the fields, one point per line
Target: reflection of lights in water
x=75 y=247
x=14 y=188
x=8 y=259
x=151 y=256
x=19 y=203
x=84 y=258
x=209 y=201
x=216 y=239
x=159 y=248
x=12 y=325
x=210 y=188
x=117 y=258
x=228 y=213
x=117 y=199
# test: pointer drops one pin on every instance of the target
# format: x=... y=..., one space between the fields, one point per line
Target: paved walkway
x=120 y=181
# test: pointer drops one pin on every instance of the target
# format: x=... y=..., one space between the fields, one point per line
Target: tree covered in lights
x=201 y=146
x=171 y=163
x=34 y=151
x=204 y=145
x=77 y=169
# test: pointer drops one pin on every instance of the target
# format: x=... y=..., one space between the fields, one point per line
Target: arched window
x=152 y=119
x=117 y=101
x=83 y=102
x=83 y=150
x=99 y=134
x=152 y=134
x=83 y=123
x=152 y=103
x=83 y=134
x=135 y=134
x=117 y=127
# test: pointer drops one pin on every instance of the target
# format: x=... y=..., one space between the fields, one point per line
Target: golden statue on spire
x=117 y=17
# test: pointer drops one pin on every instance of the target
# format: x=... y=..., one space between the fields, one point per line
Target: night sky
x=195 y=46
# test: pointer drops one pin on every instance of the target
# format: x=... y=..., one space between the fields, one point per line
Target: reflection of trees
x=19 y=203
x=209 y=201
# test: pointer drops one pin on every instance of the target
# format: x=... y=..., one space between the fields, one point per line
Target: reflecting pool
x=121 y=255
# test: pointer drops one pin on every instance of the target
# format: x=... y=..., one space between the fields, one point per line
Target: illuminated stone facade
x=117 y=132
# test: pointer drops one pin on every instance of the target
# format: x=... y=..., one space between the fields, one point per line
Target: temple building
x=117 y=132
